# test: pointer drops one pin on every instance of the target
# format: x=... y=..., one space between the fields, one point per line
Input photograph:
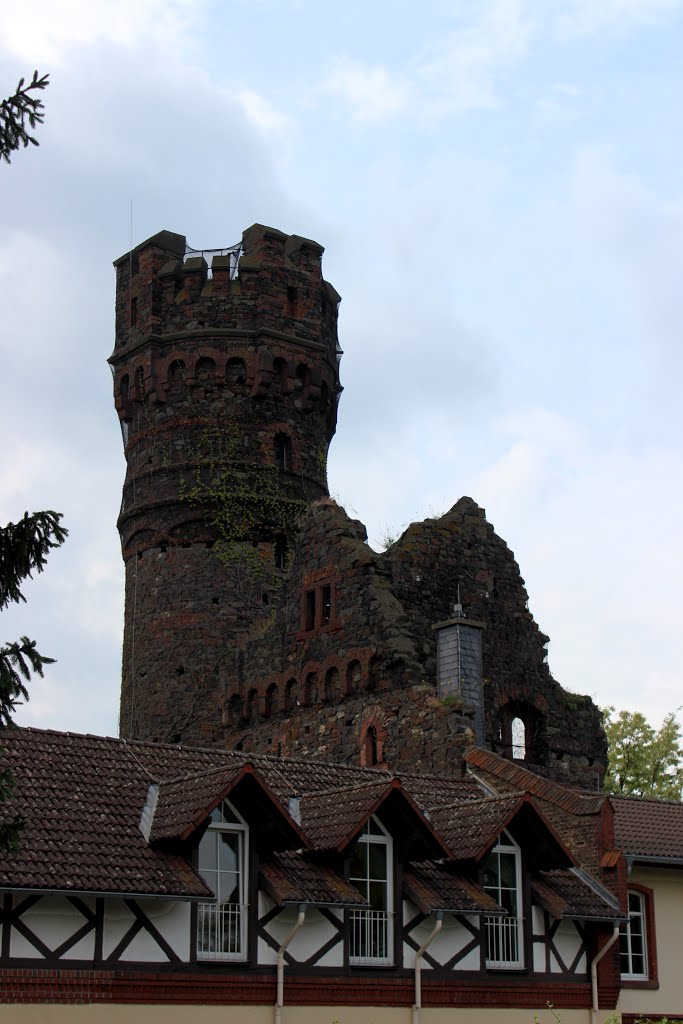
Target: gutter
x=594 y=972
x=280 y=998
x=418 y=965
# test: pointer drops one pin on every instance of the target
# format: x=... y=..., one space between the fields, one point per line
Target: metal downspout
x=594 y=972
x=279 y=1001
x=418 y=966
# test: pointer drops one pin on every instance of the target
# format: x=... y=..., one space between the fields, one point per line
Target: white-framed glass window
x=503 y=881
x=633 y=940
x=222 y=863
x=371 y=871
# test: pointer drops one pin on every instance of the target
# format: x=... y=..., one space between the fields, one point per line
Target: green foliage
x=245 y=498
x=24 y=547
x=643 y=761
x=16 y=111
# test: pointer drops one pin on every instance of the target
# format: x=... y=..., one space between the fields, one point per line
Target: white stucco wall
x=667 y=886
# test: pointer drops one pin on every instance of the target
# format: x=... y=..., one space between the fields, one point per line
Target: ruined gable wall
x=461 y=548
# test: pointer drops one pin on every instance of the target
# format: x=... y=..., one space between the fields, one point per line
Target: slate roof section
x=81 y=798
x=432 y=889
x=290 y=878
x=651 y=829
x=469 y=829
x=564 y=893
x=524 y=781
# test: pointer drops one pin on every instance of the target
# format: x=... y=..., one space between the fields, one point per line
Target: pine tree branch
x=24 y=546
x=16 y=111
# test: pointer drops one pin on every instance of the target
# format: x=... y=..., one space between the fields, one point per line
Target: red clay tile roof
x=331 y=817
x=82 y=797
x=432 y=888
x=471 y=828
x=566 y=894
x=183 y=804
x=291 y=878
x=648 y=828
x=525 y=781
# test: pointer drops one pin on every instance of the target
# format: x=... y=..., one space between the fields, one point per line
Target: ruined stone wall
x=373 y=664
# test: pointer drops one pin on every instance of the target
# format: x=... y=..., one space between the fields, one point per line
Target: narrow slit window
x=309 y=610
x=326 y=605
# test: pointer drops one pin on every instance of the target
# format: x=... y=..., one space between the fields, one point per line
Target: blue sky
x=498 y=187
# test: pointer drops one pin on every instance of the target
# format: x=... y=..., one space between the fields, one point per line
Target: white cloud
x=372 y=93
x=461 y=72
x=263 y=114
x=44 y=31
x=588 y=17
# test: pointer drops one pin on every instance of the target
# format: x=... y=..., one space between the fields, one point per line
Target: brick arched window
x=272 y=701
x=354 y=674
x=205 y=370
x=311 y=689
x=235 y=710
x=250 y=708
x=372 y=738
x=520 y=731
x=282 y=445
x=331 y=684
x=291 y=694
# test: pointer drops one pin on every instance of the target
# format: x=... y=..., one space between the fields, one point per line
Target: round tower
x=226 y=384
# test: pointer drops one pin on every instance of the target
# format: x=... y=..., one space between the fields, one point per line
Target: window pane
x=378 y=895
x=228 y=851
x=377 y=856
x=359 y=862
x=208 y=853
x=508 y=870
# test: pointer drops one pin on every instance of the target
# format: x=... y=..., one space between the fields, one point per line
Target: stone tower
x=226 y=384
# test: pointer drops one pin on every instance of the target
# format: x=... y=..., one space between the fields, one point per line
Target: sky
x=497 y=184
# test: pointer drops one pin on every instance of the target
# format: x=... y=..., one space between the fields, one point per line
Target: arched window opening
x=205 y=370
x=283 y=451
x=331 y=684
x=311 y=689
x=235 y=711
x=176 y=372
x=518 y=731
x=371 y=758
x=521 y=732
x=372 y=680
x=236 y=373
x=324 y=396
x=280 y=552
x=353 y=676
x=123 y=388
x=249 y=711
x=303 y=375
x=280 y=375
x=271 y=704
x=291 y=694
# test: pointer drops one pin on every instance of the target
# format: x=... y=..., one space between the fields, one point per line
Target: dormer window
x=371 y=872
x=222 y=858
x=503 y=881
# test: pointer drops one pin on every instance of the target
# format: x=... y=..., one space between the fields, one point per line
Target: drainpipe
x=279 y=1003
x=418 y=966
x=594 y=972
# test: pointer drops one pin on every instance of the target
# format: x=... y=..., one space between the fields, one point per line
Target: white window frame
x=626 y=936
x=214 y=917
x=375 y=926
x=506 y=933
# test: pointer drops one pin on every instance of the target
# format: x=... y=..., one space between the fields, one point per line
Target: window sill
x=639 y=983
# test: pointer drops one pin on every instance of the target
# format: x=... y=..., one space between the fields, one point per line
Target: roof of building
x=648 y=829
x=109 y=816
